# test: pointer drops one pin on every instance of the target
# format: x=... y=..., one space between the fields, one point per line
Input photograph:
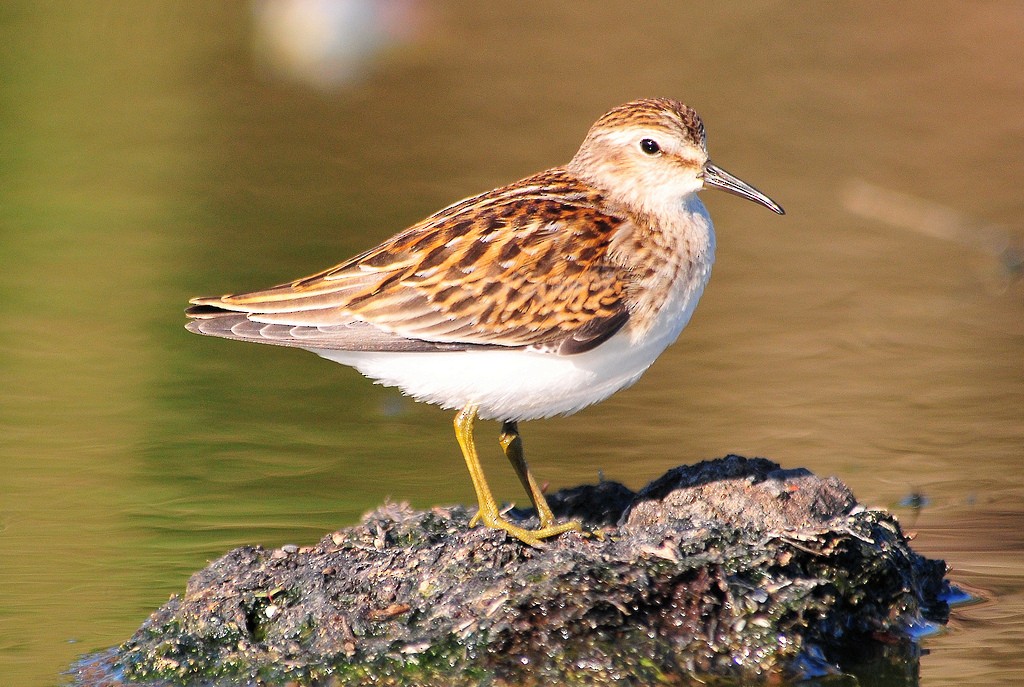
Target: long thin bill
x=716 y=177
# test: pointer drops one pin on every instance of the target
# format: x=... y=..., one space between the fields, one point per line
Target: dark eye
x=650 y=146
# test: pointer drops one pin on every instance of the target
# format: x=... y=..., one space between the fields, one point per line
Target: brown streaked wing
x=524 y=265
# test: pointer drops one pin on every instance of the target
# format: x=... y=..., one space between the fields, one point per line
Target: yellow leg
x=489 y=513
x=512 y=445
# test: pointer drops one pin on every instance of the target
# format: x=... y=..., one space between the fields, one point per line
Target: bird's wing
x=351 y=336
x=525 y=265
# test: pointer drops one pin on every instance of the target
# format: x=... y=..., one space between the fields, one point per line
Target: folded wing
x=527 y=265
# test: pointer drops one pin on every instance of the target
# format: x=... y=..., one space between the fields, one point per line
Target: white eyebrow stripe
x=630 y=134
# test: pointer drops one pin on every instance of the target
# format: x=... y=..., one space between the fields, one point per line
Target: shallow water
x=149 y=153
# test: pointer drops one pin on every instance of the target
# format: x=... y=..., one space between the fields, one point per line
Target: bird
x=531 y=300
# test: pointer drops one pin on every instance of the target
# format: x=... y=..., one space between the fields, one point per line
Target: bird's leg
x=512 y=445
x=488 y=512
x=464 y=420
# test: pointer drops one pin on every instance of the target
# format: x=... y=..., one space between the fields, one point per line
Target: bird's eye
x=650 y=146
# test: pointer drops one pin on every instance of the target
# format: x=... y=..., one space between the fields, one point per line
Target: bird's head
x=651 y=155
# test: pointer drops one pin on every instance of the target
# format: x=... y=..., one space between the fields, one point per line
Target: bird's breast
x=669 y=264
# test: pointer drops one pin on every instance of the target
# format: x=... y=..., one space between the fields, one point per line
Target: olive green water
x=152 y=152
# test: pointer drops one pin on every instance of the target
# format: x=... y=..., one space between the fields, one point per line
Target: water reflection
x=146 y=160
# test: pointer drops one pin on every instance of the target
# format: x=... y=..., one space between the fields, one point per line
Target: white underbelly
x=504 y=384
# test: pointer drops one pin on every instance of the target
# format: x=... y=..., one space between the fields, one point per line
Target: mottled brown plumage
x=524 y=265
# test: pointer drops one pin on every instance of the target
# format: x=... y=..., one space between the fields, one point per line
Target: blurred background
x=150 y=152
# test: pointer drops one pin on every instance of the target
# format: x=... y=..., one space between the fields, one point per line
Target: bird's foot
x=532 y=538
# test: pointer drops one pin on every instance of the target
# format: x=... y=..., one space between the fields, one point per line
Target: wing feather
x=526 y=265
x=354 y=336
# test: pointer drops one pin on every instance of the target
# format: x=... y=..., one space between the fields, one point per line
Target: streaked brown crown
x=658 y=113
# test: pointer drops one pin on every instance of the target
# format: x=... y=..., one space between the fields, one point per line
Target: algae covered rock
x=732 y=569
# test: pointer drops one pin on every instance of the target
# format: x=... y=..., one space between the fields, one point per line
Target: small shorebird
x=535 y=299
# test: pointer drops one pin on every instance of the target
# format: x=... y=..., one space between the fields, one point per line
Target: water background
x=150 y=152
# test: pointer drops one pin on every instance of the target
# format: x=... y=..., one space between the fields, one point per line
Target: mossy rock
x=729 y=570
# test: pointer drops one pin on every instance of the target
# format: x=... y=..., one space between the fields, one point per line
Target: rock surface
x=731 y=569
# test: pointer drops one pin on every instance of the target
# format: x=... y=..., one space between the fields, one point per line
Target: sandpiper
x=531 y=300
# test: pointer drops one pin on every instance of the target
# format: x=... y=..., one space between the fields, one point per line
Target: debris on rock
x=729 y=569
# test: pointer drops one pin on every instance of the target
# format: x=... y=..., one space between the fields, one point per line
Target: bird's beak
x=716 y=177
